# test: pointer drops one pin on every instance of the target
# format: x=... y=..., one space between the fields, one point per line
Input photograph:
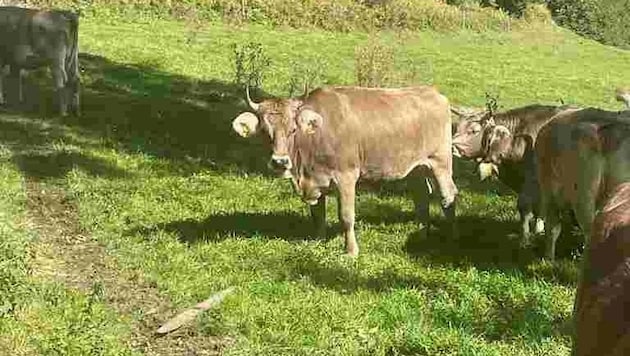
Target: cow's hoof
x=352 y=253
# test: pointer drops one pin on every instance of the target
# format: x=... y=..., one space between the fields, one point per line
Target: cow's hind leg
x=526 y=216
x=421 y=189
x=553 y=223
x=346 y=184
x=74 y=89
x=318 y=215
x=59 y=80
x=448 y=192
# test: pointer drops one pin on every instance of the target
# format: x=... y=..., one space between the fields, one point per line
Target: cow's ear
x=309 y=121
x=246 y=124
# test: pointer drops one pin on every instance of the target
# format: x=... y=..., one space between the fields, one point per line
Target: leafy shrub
x=337 y=15
x=374 y=63
x=537 y=13
x=307 y=73
x=603 y=20
x=250 y=64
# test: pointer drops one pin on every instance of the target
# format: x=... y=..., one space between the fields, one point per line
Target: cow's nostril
x=280 y=162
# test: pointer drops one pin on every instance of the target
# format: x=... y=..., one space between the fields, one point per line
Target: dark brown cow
x=602 y=305
x=31 y=38
x=581 y=156
x=337 y=135
x=505 y=139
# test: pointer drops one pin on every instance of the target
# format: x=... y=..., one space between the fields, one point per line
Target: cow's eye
x=475 y=130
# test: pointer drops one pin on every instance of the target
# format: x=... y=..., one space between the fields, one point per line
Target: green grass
x=39 y=316
x=159 y=179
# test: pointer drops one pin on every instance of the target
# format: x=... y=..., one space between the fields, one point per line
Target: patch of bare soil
x=66 y=254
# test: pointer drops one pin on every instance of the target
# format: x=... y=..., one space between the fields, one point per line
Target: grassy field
x=149 y=203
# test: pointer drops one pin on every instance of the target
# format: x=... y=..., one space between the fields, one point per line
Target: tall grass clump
x=375 y=63
x=251 y=64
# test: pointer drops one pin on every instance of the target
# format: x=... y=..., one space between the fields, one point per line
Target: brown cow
x=505 y=139
x=336 y=135
x=581 y=156
x=602 y=304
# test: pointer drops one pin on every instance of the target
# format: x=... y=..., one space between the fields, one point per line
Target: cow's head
x=467 y=138
x=496 y=144
x=280 y=120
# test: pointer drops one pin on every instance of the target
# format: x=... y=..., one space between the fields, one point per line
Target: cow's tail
x=72 y=56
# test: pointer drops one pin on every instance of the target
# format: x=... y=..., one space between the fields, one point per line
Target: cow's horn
x=305 y=90
x=253 y=105
x=457 y=111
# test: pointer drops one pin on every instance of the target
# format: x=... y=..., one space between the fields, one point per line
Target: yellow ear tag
x=486 y=170
x=245 y=129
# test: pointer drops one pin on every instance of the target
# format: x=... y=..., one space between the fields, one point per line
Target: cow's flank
x=602 y=306
x=581 y=156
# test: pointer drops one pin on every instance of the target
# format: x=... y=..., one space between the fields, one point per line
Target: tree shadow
x=523 y=317
x=141 y=109
x=286 y=225
x=58 y=164
x=32 y=142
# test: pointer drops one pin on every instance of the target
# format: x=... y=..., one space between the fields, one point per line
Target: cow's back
x=602 y=310
x=26 y=31
x=578 y=148
x=386 y=132
x=13 y=26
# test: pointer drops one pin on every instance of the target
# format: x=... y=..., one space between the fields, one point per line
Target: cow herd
x=557 y=158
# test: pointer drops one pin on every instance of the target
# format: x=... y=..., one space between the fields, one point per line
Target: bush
x=537 y=13
x=250 y=64
x=335 y=15
x=374 y=63
x=307 y=73
x=603 y=20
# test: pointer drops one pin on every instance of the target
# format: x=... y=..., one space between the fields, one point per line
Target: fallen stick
x=189 y=314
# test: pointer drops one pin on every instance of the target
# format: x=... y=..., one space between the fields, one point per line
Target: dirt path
x=65 y=253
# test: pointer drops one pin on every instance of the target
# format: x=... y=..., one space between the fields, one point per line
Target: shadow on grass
x=141 y=109
x=32 y=143
x=286 y=226
x=58 y=164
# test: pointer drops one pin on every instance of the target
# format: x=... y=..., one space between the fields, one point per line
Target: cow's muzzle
x=281 y=165
x=312 y=199
x=456 y=152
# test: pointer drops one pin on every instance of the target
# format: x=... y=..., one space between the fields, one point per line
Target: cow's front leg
x=526 y=216
x=15 y=74
x=346 y=185
x=318 y=215
x=2 y=100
